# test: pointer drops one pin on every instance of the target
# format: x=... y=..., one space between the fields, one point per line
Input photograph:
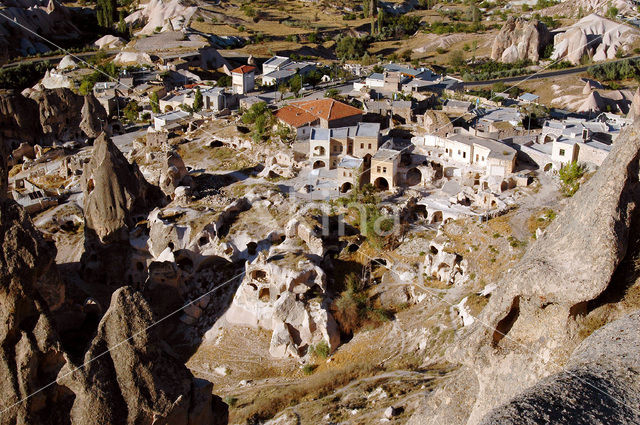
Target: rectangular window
x=384 y=169
x=369 y=145
x=464 y=154
x=361 y=145
x=561 y=152
x=378 y=169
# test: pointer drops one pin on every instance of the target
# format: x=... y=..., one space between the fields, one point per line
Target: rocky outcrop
x=30 y=354
x=173 y=173
x=533 y=319
x=48 y=116
x=17 y=118
x=115 y=196
x=599 y=384
x=284 y=291
x=520 y=39
x=140 y=380
x=51 y=19
x=114 y=192
x=172 y=15
x=65 y=115
x=444 y=264
x=595 y=36
x=4 y=170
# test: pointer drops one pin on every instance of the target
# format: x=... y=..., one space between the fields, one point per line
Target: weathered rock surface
x=599 y=384
x=169 y=16
x=520 y=39
x=593 y=35
x=65 y=115
x=114 y=192
x=30 y=354
x=532 y=321
x=139 y=381
x=49 y=115
x=17 y=118
x=51 y=19
x=115 y=195
x=284 y=291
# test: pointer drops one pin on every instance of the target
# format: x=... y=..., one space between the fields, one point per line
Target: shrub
x=320 y=350
x=308 y=369
x=353 y=309
x=570 y=175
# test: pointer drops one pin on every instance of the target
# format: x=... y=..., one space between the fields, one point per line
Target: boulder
x=520 y=39
x=139 y=380
x=67 y=62
x=109 y=42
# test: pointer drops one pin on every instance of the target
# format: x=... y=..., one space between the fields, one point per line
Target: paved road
x=542 y=75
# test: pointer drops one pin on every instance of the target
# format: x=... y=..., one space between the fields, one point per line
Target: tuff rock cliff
x=579 y=275
x=520 y=39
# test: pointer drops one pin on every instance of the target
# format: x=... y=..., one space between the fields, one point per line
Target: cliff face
x=579 y=273
x=49 y=115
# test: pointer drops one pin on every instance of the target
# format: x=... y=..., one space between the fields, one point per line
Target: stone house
x=323 y=113
x=384 y=168
x=243 y=79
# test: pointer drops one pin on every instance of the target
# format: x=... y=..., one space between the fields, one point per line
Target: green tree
x=612 y=12
x=456 y=59
x=197 y=101
x=132 y=111
x=106 y=11
x=295 y=84
x=155 y=102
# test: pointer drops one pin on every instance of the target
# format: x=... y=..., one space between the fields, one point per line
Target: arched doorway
x=421 y=212
x=381 y=183
x=345 y=187
x=414 y=177
x=436 y=217
x=319 y=164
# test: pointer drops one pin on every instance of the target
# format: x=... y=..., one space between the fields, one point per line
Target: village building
x=323 y=113
x=327 y=147
x=170 y=120
x=384 y=168
x=243 y=79
x=350 y=173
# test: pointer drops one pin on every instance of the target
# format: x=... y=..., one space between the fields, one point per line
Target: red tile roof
x=328 y=109
x=295 y=116
x=244 y=69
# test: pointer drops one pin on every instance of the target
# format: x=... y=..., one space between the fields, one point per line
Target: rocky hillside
x=48 y=115
x=577 y=277
x=125 y=374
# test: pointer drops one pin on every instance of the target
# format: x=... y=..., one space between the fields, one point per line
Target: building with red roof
x=243 y=79
x=324 y=113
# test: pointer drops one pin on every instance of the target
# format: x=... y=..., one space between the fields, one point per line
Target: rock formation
x=284 y=292
x=140 y=380
x=115 y=194
x=599 y=383
x=17 y=119
x=65 y=115
x=520 y=39
x=169 y=16
x=174 y=173
x=109 y=42
x=51 y=19
x=595 y=36
x=533 y=320
x=30 y=354
x=48 y=116
x=446 y=266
